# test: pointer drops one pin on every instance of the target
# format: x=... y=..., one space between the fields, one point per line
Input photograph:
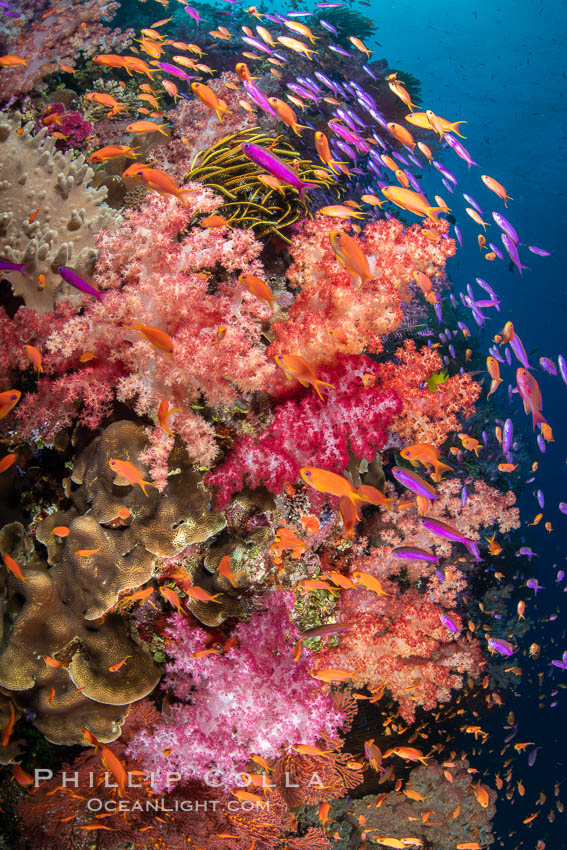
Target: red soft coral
x=311 y=432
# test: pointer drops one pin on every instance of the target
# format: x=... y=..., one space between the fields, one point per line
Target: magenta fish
x=441 y=529
x=450 y=623
x=414 y=482
x=539 y=252
x=7 y=266
x=414 y=553
x=270 y=162
x=79 y=281
x=501 y=646
x=461 y=151
x=512 y=251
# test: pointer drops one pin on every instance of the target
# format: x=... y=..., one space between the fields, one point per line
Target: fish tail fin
x=454 y=129
x=160 y=129
x=305 y=187
x=144 y=484
x=441 y=467
x=433 y=213
x=477 y=449
x=316 y=384
x=538 y=419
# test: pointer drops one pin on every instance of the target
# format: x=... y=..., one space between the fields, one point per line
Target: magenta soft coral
x=252 y=699
x=311 y=432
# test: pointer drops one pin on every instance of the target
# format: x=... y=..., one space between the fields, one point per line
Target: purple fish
x=541 y=444
x=489 y=303
x=369 y=72
x=501 y=646
x=338 y=50
x=259 y=45
x=464 y=329
x=414 y=482
x=301 y=91
x=452 y=351
x=473 y=203
x=7 y=266
x=438 y=313
x=258 y=97
x=539 y=251
x=326 y=81
x=507 y=435
x=496 y=354
x=560 y=576
x=540 y=498
x=561 y=664
x=508 y=356
x=270 y=162
x=461 y=151
x=533 y=584
x=533 y=755
x=496 y=250
x=519 y=351
x=175 y=72
x=512 y=251
x=449 y=186
x=79 y=281
x=328 y=26
x=563 y=507
x=414 y=553
x=193 y=13
x=464 y=496
x=548 y=366
x=450 y=623
x=445 y=172
x=458 y=234
x=527 y=552
x=441 y=529
x=505 y=225
x=562 y=368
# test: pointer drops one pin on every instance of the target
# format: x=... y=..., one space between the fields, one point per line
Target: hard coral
x=456 y=816
x=67 y=609
x=310 y=432
x=231 y=705
x=33 y=174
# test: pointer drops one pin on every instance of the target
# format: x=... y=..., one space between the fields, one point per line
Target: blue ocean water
x=501 y=67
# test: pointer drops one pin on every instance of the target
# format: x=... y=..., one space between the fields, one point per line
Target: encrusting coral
x=35 y=176
x=67 y=610
x=456 y=815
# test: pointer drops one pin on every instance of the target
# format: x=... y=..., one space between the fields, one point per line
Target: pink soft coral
x=252 y=699
x=186 y=287
x=311 y=432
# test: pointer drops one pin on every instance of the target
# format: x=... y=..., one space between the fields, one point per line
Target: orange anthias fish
x=302 y=370
x=13 y=566
x=530 y=392
x=8 y=461
x=471 y=444
x=112 y=152
x=115 y=667
x=8 y=400
x=370 y=582
x=9 y=60
x=412 y=201
x=226 y=572
x=173 y=598
x=256 y=286
x=494 y=371
x=407 y=753
x=330 y=675
x=164 y=412
x=139 y=596
x=158 y=338
x=7 y=731
x=158 y=181
x=34 y=355
x=428 y=456
x=424 y=283
x=213 y=221
x=324 y=151
x=202 y=595
x=310 y=750
x=128 y=473
x=146 y=127
x=329 y=482
x=481 y=795
x=496 y=187
x=207 y=96
x=403 y=136
x=350 y=254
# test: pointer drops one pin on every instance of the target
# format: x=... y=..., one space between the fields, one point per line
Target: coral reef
x=67 y=610
x=33 y=175
x=229 y=705
x=456 y=816
x=59 y=38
